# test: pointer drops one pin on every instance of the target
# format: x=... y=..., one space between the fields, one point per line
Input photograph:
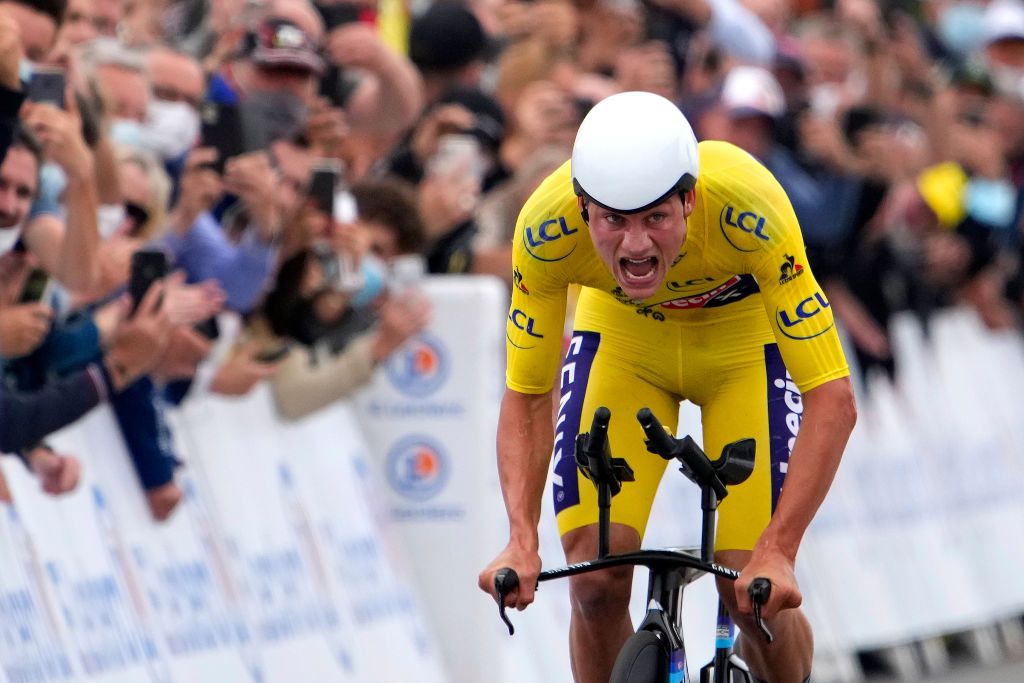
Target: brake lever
x=505 y=581
x=760 y=590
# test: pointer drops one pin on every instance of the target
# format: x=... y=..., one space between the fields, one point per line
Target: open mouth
x=639 y=271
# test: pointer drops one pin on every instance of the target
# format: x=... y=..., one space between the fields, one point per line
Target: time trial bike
x=655 y=653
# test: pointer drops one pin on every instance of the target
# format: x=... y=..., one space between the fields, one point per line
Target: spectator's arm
x=107 y=179
x=70 y=255
x=26 y=418
x=741 y=33
x=242 y=270
x=144 y=431
x=390 y=99
x=301 y=388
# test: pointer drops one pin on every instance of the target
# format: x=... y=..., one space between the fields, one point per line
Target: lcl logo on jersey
x=676 y=286
x=747 y=221
x=523 y=322
x=794 y=323
x=537 y=240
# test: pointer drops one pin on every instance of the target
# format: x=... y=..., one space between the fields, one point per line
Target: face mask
x=373 y=281
x=109 y=219
x=271 y=115
x=991 y=202
x=171 y=129
x=8 y=238
x=962 y=27
x=128 y=133
x=824 y=99
x=52 y=181
x=25 y=69
x=1008 y=81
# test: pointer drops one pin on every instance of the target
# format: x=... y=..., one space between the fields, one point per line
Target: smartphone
x=273 y=355
x=222 y=129
x=34 y=290
x=209 y=328
x=47 y=85
x=338 y=84
x=325 y=184
x=457 y=156
x=147 y=267
x=406 y=272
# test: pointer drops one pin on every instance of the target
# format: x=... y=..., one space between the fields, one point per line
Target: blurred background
x=255 y=259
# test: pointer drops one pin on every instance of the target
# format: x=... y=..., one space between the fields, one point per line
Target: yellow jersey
x=743 y=244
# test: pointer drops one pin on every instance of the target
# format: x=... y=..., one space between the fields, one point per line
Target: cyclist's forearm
x=524 y=452
x=829 y=415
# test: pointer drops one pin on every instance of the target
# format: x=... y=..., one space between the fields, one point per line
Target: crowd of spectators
x=195 y=129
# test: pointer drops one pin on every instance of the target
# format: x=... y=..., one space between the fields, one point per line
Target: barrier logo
x=789 y=270
x=417 y=467
x=797 y=322
x=421 y=368
x=544 y=242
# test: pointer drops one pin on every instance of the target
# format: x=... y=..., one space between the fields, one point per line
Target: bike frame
x=671 y=570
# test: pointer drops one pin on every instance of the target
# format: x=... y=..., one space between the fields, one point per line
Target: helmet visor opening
x=685 y=183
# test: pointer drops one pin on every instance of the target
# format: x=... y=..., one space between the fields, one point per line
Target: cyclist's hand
x=526 y=563
x=778 y=569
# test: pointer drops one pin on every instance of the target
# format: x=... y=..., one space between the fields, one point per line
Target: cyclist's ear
x=689 y=201
x=584 y=211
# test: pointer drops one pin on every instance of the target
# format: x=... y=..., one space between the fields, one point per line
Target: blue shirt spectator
x=243 y=269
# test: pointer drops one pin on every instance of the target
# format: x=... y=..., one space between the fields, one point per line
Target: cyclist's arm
x=525 y=440
x=801 y=318
x=534 y=339
x=829 y=415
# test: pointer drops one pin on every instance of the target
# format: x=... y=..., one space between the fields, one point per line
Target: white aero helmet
x=633 y=150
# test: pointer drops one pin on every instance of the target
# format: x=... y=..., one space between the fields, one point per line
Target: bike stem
x=708 y=506
x=604 y=508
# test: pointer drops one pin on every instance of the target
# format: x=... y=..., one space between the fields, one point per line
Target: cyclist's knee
x=600 y=594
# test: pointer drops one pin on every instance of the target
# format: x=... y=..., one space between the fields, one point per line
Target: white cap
x=1004 y=19
x=750 y=90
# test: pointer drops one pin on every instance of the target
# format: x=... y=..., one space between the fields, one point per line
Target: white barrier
x=302 y=551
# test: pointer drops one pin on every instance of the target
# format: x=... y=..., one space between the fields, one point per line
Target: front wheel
x=643 y=659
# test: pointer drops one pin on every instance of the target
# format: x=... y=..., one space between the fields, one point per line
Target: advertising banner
x=430 y=417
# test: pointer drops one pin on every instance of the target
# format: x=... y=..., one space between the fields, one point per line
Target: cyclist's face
x=639 y=248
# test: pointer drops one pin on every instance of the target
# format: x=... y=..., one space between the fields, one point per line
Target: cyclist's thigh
x=755 y=398
x=598 y=372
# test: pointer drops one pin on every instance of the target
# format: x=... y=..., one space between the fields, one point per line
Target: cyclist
x=694 y=285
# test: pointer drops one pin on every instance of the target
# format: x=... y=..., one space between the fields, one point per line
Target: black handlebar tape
x=505 y=581
x=669 y=448
x=760 y=590
x=661 y=441
x=599 y=432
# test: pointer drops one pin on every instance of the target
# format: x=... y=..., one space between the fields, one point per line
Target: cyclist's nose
x=636 y=240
